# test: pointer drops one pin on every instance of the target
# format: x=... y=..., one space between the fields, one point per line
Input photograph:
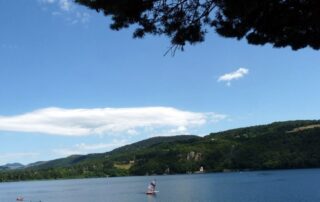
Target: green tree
x=294 y=23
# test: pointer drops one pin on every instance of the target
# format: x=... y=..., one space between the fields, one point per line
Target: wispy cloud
x=47 y=1
x=9 y=46
x=65 y=5
x=17 y=156
x=80 y=17
x=84 y=148
x=241 y=72
x=67 y=9
x=80 y=122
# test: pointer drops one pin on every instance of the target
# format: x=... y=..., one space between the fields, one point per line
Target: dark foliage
x=294 y=23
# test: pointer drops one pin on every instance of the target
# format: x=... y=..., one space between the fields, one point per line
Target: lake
x=261 y=186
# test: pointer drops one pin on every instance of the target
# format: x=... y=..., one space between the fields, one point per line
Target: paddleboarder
x=152 y=187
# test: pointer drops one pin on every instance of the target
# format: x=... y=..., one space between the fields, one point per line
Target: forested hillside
x=280 y=145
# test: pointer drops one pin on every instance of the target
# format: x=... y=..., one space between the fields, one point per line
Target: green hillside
x=280 y=145
x=119 y=153
x=153 y=142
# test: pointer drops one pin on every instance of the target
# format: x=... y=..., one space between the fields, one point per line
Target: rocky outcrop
x=196 y=156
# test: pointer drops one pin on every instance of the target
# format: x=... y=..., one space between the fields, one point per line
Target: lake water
x=262 y=186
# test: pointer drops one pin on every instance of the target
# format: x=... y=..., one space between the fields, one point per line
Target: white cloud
x=80 y=122
x=214 y=117
x=68 y=10
x=241 y=72
x=81 y=17
x=65 y=5
x=84 y=148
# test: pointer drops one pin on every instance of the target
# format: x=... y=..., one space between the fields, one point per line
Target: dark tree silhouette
x=294 y=23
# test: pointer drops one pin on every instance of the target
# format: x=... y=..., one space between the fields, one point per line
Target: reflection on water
x=152 y=198
x=266 y=186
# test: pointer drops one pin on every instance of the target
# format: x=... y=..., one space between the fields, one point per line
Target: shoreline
x=176 y=174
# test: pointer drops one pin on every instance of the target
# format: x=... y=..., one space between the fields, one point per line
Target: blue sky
x=68 y=84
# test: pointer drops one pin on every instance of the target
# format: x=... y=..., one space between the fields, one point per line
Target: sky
x=70 y=85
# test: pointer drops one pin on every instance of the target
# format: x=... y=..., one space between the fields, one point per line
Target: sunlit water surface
x=262 y=186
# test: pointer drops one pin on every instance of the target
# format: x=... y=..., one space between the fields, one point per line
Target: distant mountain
x=11 y=166
x=280 y=145
x=38 y=163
